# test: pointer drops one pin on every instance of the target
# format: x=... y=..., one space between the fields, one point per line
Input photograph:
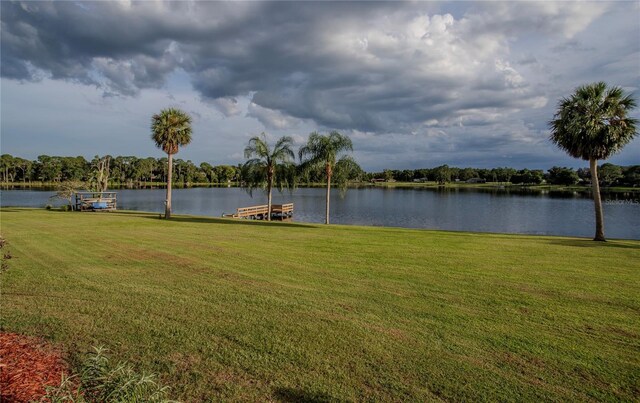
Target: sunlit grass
x=238 y=310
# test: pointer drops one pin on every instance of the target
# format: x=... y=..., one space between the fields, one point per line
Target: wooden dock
x=96 y=201
x=278 y=212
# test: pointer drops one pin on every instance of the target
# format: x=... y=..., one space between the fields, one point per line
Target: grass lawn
x=237 y=310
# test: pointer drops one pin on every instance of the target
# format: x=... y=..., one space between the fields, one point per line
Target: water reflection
x=511 y=210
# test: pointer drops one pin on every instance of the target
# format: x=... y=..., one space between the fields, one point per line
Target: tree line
x=123 y=170
x=134 y=171
x=609 y=175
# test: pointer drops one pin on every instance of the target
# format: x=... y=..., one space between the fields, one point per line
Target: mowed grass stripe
x=243 y=311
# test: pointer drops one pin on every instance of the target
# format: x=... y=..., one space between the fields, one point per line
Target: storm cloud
x=443 y=78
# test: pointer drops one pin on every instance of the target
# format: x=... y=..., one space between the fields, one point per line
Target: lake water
x=484 y=210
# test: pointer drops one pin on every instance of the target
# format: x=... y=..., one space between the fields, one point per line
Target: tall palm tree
x=267 y=166
x=322 y=154
x=170 y=130
x=592 y=124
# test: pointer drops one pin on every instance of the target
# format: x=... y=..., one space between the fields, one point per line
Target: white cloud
x=271 y=119
x=227 y=106
x=445 y=81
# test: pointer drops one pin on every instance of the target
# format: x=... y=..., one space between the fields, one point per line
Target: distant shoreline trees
x=134 y=172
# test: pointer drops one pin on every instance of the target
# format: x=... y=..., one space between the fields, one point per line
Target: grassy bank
x=237 y=310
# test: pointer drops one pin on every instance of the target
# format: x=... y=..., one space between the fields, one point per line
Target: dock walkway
x=278 y=212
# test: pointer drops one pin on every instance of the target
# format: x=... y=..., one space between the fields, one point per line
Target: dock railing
x=278 y=211
x=282 y=210
x=254 y=212
x=96 y=201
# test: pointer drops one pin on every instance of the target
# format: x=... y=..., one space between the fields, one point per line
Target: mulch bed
x=27 y=366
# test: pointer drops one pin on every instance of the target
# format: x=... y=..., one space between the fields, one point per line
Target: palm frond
x=171 y=129
x=264 y=161
x=593 y=123
x=346 y=169
x=323 y=150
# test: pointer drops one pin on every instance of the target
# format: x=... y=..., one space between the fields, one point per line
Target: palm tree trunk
x=167 y=207
x=593 y=165
x=270 y=185
x=326 y=219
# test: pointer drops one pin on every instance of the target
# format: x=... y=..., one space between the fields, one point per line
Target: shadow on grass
x=11 y=210
x=588 y=243
x=228 y=221
x=299 y=395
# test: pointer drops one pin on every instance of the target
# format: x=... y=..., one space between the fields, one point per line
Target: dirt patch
x=27 y=366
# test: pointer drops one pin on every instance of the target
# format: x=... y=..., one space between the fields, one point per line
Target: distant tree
x=239 y=178
x=49 y=169
x=100 y=174
x=170 y=130
x=224 y=173
x=593 y=124
x=485 y=174
x=468 y=173
x=527 y=177
x=267 y=166
x=66 y=190
x=178 y=171
x=422 y=174
x=632 y=176
x=455 y=173
x=26 y=167
x=562 y=176
x=406 y=175
x=161 y=168
x=442 y=174
x=190 y=172
x=74 y=168
x=6 y=167
x=207 y=169
x=325 y=154
x=584 y=174
x=609 y=174
x=535 y=177
x=503 y=174
x=145 y=168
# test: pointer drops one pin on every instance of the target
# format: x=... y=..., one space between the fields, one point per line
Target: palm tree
x=321 y=153
x=592 y=124
x=267 y=166
x=170 y=129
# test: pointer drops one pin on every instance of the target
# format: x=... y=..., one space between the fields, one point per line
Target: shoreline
x=384 y=185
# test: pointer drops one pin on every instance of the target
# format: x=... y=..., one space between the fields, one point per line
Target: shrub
x=98 y=381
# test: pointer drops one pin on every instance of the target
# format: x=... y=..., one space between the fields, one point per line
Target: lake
x=460 y=209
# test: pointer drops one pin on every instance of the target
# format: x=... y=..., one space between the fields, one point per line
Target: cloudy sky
x=413 y=84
